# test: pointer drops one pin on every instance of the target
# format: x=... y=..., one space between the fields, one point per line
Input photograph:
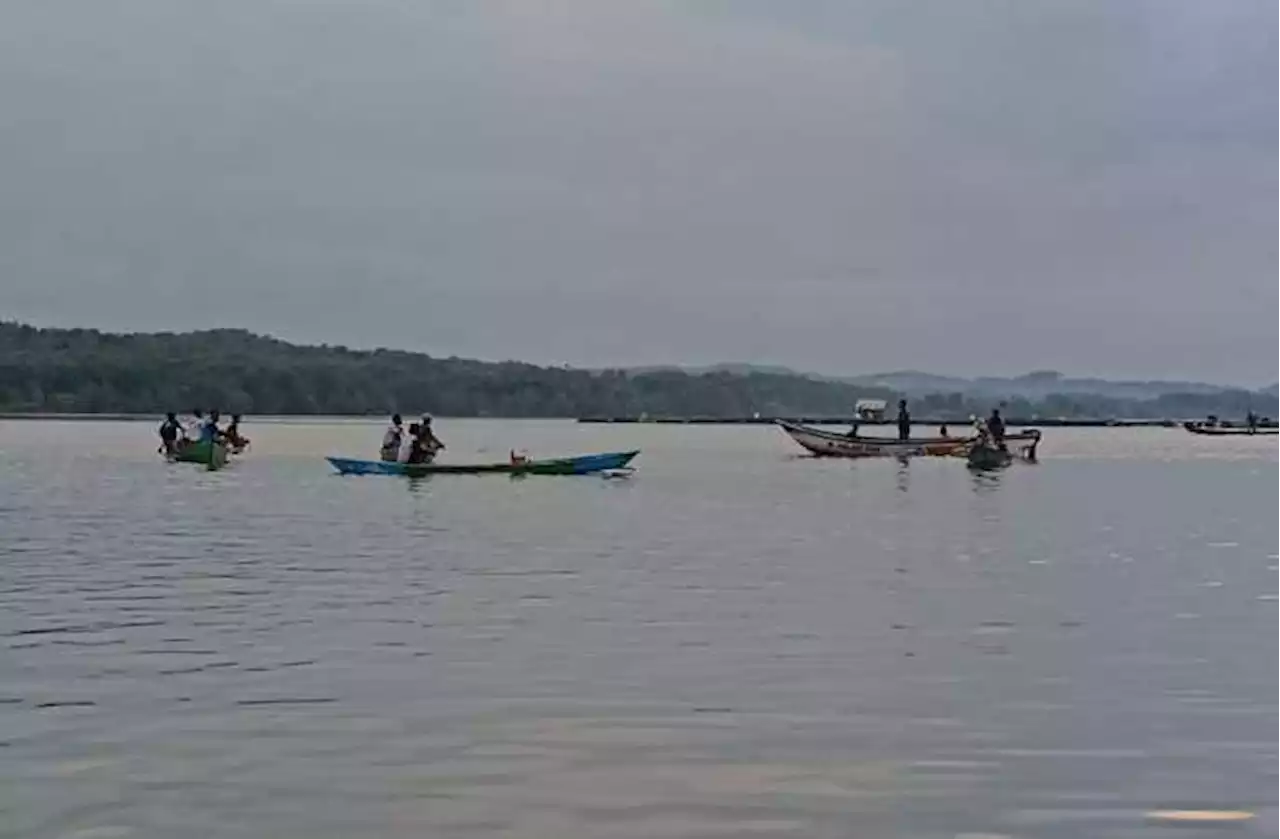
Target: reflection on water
x=736 y=642
x=986 y=481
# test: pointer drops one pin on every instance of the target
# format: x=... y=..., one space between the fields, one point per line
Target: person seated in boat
x=232 y=434
x=995 y=425
x=392 y=438
x=170 y=434
x=518 y=459
x=904 y=420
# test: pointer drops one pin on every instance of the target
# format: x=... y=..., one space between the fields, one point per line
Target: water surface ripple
x=735 y=642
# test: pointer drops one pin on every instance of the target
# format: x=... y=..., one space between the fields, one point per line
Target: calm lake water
x=735 y=642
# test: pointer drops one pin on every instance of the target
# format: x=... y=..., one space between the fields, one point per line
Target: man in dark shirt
x=995 y=425
x=904 y=420
x=170 y=431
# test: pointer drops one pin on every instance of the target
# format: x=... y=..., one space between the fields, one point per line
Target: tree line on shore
x=87 y=371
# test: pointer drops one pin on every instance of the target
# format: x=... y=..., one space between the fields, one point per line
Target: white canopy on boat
x=869 y=408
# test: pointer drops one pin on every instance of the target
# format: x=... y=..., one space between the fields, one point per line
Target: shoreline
x=126 y=417
x=1041 y=422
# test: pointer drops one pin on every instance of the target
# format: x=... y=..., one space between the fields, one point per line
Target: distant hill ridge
x=87 y=371
x=1035 y=384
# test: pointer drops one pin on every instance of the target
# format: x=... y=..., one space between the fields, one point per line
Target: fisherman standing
x=995 y=425
x=170 y=433
x=904 y=420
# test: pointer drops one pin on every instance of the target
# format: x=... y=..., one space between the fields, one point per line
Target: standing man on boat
x=193 y=429
x=232 y=434
x=995 y=425
x=209 y=431
x=408 y=444
x=904 y=420
x=430 y=442
x=391 y=440
x=423 y=443
x=170 y=431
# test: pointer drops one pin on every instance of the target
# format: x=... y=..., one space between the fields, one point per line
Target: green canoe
x=983 y=456
x=210 y=455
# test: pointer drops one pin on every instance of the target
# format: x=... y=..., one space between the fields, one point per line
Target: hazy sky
x=984 y=186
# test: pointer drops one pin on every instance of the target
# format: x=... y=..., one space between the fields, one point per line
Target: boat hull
x=1227 y=431
x=579 y=465
x=988 y=457
x=833 y=444
x=212 y=456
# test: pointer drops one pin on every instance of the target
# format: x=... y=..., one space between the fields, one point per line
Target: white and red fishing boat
x=825 y=443
x=1216 y=429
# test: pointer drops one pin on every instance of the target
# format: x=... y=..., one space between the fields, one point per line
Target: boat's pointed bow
x=348 y=466
x=587 y=464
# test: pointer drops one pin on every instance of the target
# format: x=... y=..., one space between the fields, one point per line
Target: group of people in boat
x=416 y=444
x=991 y=430
x=174 y=434
x=1251 y=421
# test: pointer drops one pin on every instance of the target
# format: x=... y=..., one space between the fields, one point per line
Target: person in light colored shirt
x=195 y=426
x=407 y=444
x=392 y=439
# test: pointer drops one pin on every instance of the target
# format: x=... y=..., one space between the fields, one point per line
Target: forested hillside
x=83 y=370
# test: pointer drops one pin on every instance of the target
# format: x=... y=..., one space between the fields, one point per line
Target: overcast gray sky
x=960 y=186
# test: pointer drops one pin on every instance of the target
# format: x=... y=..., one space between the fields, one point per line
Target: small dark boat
x=986 y=456
x=1217 y=430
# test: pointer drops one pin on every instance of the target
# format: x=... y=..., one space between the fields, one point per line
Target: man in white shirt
x=405 y=455
x=194 y=427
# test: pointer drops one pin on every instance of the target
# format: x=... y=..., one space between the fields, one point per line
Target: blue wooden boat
x=581 y=465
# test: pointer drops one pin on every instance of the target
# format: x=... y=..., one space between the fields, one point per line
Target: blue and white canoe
x=586 y=464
